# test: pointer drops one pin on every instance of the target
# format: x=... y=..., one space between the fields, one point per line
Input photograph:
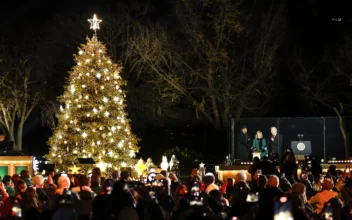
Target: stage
x=225 y=172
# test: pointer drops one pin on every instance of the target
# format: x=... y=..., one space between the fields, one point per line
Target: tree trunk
x=213 y=100
x=19 y=136
x=343 y=132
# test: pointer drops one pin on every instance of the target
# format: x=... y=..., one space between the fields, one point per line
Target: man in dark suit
x=275 y=142
x=244 y=145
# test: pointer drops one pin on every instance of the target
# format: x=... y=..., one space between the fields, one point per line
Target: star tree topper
x=94 y=23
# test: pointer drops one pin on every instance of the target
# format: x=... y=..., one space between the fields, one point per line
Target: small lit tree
x=92 y=122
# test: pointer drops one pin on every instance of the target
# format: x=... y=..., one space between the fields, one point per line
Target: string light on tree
x=93 y=113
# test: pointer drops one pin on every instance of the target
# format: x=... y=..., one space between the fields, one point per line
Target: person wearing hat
x=244 y=145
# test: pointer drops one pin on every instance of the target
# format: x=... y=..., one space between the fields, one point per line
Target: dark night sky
x=310 y=27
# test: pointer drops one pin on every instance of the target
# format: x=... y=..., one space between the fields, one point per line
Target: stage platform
x=225 y=172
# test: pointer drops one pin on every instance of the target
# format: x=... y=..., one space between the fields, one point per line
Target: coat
x=243 y=147
x=259 y=145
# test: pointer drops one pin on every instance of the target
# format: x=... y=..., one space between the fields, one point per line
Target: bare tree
x=211 y=57
x=327 y=83
x=17 y=99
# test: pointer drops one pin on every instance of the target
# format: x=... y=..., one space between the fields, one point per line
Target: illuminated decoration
x=140 y=167
x=74 y=170
x=164 y=164
x=35 y=164
x=13 y=163
x=201 y=165
x=102 y=166
x=94 y=23
x=91 y=124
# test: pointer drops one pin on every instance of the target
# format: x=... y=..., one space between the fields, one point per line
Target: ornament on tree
x=88 y=115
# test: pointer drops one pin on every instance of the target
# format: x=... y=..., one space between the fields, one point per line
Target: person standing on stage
x=259 y=144
x=244 y=145
x=275 y=142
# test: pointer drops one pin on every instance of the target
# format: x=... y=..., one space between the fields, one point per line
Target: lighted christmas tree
x=92 y=122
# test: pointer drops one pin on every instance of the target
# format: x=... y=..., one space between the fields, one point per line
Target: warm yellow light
x=164 y=164
x=84 y=135
x=80 y=52
x=98 y=75
x=106 y=114
x=73 y=89
x=95 y=110
x=105 y=100
x=94 y=23
x=131 y=153
x=123 y=164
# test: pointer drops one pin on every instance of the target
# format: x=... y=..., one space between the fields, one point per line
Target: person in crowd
x=275 y=142
x=324 y=196
x=268 y=197
x=259 y=144
x=288 y=165
x=262 y=180
x=268 y=168
x=63 y=184
x=209 y=181
x=100 y=208
x=15 y=178
x=180 y=193
x=95 y=184
x=83 y=184
x=229 y=187
x=25 y=177
x=115 y=175
x=50 y=179
x=285 y=186
x=107 y=187
x=253 y=184
x=38 y=183
x=332 y=172
x=174 y=181
x=10 y=187
x=20 y=189
x=254 y=166
x=244 y=145
x=239 y=196
x=97 y=171
x=346 y=192
x=332 y=209
x=124 y=175
x=217 y=202
x=121 y=202
x=82 y=197
x=298 y=208
x=30 y=200
x=3 y=192
x=300 y=189
x=316 y=168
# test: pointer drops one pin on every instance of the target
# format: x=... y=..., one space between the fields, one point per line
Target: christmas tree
x=92 y=122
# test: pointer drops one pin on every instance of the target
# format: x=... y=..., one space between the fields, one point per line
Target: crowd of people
x=269 y=194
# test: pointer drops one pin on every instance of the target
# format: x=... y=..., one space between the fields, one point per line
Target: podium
x=256 y=154
x=301 y=148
